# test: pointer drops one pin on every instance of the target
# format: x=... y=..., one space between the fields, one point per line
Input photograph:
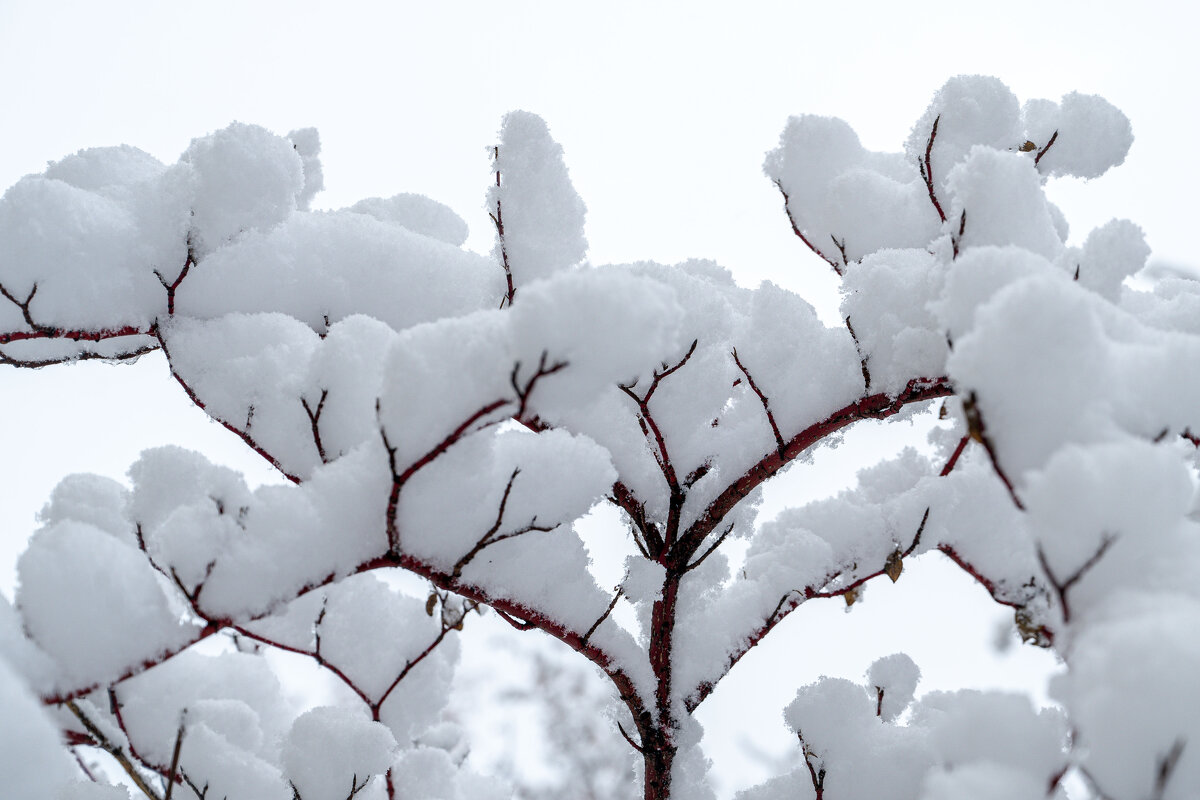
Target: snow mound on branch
x=330 y=748
x=1090 y=134
x=321 y=267
x=307 y=143
x=541 y=214
x=32 y=758
x=845 y=199
x=244 y=178
x=94 y=605
x=417 y=213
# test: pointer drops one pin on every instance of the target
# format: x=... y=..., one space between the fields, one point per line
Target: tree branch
x=762 y=398
x=1061 y=587
x=877 y=406
x=113 y=749
x=800 y=234
x=926 y=166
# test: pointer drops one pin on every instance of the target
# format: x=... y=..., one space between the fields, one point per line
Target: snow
x=541 y=214
x=243 y=178
x=329 y=748
x=93 y=604
x=432 y=414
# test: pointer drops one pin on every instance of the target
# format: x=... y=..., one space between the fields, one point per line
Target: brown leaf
x=894 y=566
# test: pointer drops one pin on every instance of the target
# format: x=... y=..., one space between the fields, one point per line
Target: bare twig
x=493 y=536
x=113 y=749
x=762 y=398
x=800 y=234
x=962 y=444
x=711 y=549
x=1038 y=158
x=604 y=616
x=1062 y=587
x=314 y=419
x=926 y=166
x=977 y=431
x=862 y=356
x=174 y=770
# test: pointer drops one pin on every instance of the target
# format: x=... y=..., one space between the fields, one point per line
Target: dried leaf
x=431 y=603
x=894 y=566
x=851 y=596
x=1028 y=147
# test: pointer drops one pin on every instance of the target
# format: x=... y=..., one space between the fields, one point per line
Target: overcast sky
x=665 y=111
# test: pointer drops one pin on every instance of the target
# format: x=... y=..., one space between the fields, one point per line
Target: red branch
x=498 y=221
x=172 y=286
x=1038 y=158
x=876 y=406
x=762 y=398
x=655 y=436
x=926 y=166
x=978 y=431
x=793 y=599
x=800 y=234
x=244 y=435
x=962 y=444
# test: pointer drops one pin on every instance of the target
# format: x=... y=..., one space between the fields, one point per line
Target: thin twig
x=113 y=749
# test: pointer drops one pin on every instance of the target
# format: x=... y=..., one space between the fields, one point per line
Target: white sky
x=664 y=110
